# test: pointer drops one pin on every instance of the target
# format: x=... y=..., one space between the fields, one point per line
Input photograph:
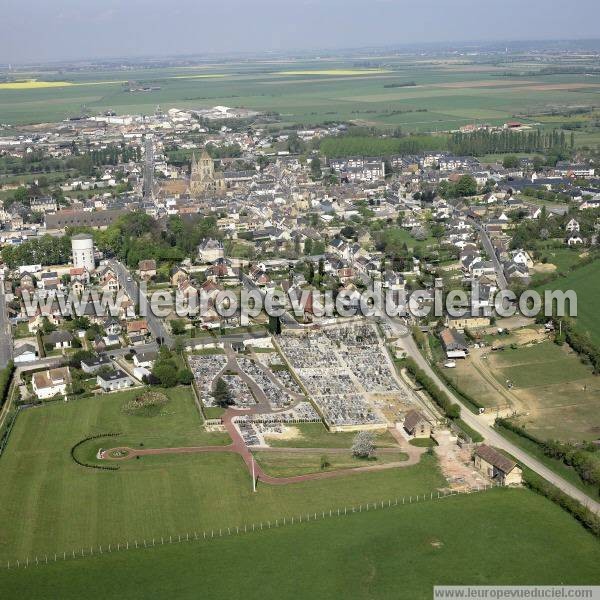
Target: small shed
x=416 y=425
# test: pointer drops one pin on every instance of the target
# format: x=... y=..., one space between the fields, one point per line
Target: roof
x=96 y=361
x=115 y=375
x=495 y=458
x=147 y=265
x=58 y=337
x=24 y=349
x=412 y=419
x=51 y=377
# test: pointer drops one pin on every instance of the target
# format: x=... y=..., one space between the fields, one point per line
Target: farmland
x=585 y=281
x=399 y=552
x=48 y=503
x=558 y=396
x=416 y=94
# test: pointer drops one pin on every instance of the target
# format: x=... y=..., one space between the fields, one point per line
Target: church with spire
x=203 y=177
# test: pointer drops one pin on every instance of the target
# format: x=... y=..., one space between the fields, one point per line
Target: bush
x=149 y=404
x=364 y=444
x=450 y=409
x=582 y=460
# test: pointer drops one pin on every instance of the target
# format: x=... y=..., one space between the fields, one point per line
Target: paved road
x=492 y=437
x=487 y=244
x=6 y=343
x=155 y=324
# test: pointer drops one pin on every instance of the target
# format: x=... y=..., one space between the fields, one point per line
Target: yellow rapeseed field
x=31 y=84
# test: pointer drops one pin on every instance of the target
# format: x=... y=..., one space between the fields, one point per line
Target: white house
x=25 y=353
x=144 y=359
x=572 y=226
x=522 y=257
x=574 y=239
x=52 y=382
x=115 y=380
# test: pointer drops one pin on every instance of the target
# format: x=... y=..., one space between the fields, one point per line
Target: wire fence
x=211 y=534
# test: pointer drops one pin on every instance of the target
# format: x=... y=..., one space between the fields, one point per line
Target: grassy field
x=560 y=396
x=438 y=97
x=287 y=464
x=585 y=281
x=48 y=503
x=503 y=537
x=316 y=435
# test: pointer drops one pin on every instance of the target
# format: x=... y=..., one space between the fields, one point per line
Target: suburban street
x=487 y=244
x=155 y=324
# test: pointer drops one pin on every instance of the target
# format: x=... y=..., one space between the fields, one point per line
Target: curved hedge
x=90 y=466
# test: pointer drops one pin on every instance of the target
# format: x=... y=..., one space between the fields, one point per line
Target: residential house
x=145 y=359
x=147 y=269
x=139 y=327
x=574 y=239
x=115 y=380
x=95 y=363
x=210 y=250
x=51 y=382
x=58 y=340
x=572 y=226
x=24 y=354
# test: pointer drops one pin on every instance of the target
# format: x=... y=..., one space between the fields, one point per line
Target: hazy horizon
x=66 y=30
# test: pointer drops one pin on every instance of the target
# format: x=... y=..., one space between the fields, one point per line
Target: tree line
x=491 y=142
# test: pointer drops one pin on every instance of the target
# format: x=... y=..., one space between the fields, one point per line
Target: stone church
x=203 y=178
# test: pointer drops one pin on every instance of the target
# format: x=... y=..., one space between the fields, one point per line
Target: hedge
x=5 y=379
x=581 y=343
x=450 y=409
x=584 y=515
x=583 y=461
x=466 y=397
x=474 y=435
x=88 y=465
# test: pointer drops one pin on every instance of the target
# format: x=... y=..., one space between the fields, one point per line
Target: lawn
x=48 y=503
x=316 y=435
x=287 y=464
x=559 y=395
x=585 y=281
x=502 y=537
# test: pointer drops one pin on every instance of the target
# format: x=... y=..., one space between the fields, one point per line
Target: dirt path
x=239 y=447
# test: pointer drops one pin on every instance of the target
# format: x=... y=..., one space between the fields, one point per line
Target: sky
x=49 y=30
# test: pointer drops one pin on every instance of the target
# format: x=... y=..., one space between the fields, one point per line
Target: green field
x=446 y=95
x=287 y=464
x=502 y=537
x=559 y=395
x=48 y=503
x=585 y=281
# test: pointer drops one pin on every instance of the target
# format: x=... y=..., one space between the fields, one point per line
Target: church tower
x=203 y=178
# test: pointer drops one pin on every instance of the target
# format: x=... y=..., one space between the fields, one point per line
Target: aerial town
x=478 y=392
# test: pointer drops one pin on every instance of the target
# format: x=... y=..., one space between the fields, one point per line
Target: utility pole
x=253 y=475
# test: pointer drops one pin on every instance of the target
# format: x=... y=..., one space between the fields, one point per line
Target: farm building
x=496 y=466
x=455 y=345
